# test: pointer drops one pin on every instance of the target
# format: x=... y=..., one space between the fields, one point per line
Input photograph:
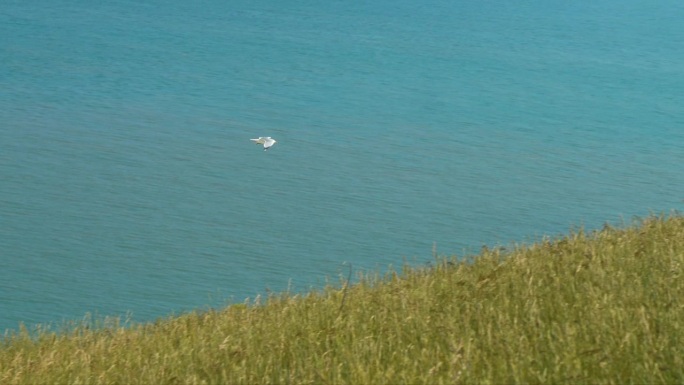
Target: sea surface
x=129 y=186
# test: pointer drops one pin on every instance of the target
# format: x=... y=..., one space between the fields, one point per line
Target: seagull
x=267 y=141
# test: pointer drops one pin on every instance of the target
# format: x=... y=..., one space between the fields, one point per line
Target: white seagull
x=267 y=141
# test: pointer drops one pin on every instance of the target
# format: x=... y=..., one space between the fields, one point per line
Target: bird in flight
x=267 y=141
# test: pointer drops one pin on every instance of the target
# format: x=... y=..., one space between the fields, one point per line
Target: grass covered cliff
x=600 y=307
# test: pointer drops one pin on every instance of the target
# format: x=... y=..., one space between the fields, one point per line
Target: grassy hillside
x=604 y=307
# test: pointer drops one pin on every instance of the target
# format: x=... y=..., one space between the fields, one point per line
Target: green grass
x=600 y=307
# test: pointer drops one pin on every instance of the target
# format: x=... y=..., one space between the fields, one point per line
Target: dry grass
x=604 y=307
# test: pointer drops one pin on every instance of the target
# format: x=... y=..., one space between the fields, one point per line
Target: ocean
x=129 y=186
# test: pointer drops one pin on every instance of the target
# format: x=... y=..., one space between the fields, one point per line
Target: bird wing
x=268 y=142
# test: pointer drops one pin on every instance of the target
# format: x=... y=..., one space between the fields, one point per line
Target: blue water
x=128 y=184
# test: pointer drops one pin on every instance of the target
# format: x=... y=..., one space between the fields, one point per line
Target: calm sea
x=128 y=183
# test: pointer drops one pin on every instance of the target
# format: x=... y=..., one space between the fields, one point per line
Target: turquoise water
x=128 y=183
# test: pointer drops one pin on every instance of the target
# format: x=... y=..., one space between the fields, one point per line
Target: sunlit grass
x=602 y=307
